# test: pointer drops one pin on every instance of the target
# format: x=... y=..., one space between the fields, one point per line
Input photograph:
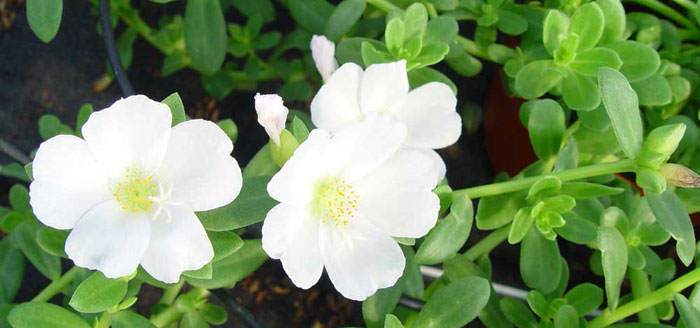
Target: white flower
x=429 y=111
x=272 y=114
x=130 y=189
x=342 y=199
x=323 y=52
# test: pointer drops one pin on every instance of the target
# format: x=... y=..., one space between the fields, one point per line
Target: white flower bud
x=323 y=52
x=272 y=114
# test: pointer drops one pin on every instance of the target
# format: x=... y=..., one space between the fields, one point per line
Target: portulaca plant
x=593 y=105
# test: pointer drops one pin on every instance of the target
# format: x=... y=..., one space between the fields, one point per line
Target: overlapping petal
x=337 y=102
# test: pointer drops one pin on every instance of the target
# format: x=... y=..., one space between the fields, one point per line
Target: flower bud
x=283 y=150
x=665 y=139
x=272 y=114
x=680 y=176
x=323 y=52
x=230 y=128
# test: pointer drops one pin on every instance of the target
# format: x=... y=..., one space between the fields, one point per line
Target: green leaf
x=371 y=55
x=456 y=304
x=233 y=268
x=588 y=62
x=205 y=35
x=312 y=15
x=614 y=258
x=521 y=225
x=415 y=18
x=214 y=314
x=580 y=92
x=680 y=88
x=11 y=271
x=344 y=16
x=230 y=128
x=25 y=238
x=130 y=319
x=299 y=129
x=517 y=312
x=536 y=78
x=622 y=107
x=423 y=75
x=391 y=321
x=177 y=108
x=511 y=23
x=673 y=217
x=429 y=55
x=376 y=307
x=52 y=241
x=556 y=27
x=50 y=126
x=394 y=36
x=44 y=315
x=585 y=298
x=540 y=262
x=83 y=114
x=205 y=272
x=44 y=18
x=441 y=29
x=566 y=317
x=224 y=243
x=614 y=13
x=251 y=206
x=546 y=126
x=496 y=211
x=653 y=91
x=639 y=61
x=193 y=319
x=449 y=235
x=689 y=314
x=19 y=198
x=98 y=293
x=250 y=8
x=581 y=190
x=587 y=22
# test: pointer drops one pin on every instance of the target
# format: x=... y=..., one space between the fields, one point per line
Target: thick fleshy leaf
x=233 y=268
x=585 y=298
x=653 y=91
x=24 y=236
x=673 y=217
x=588 y=62
x=540 y=262
x=556 y=26
x=44 y=18
x=379 y=305
x=248 y=208
x=587 y=23
x=622 y=106
x=344 y=16
x=639 y=61
x=205 y=35
x=312 y=15
x=448 y=237
x=44 y=315
x=614 y=256
x=455 y=304
x=546 y=125
x=614 y=14
x=11 y=270
x=98 y=293
x=536 y=78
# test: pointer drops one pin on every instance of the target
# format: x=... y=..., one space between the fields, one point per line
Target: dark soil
x=38 y=78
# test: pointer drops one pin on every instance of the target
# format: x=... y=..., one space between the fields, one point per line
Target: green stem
x=640 y=288
x=498 y=188
x=167 y=316
x=687 y=4
x=56 y=286
x=170 y=293
x=662 y=294
x=665 y=10
x=104 y=321
x=488 y=243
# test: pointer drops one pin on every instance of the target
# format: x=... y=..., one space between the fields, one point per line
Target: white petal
x=431 y=116
x=323 y=53
x=199 y=165
x=67 y=182
x=397 y=197
x=294 y=182
x=272 y=114
x=360 y=259
x=289 y=234
x=358 y=149
x=438 y=164
x=383 y=86
x=177 y=244
x=109 y=240
x=336 y=103
x=134 y=131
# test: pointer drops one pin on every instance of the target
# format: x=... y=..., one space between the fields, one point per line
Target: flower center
x=136 y=191
x=334 y=200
